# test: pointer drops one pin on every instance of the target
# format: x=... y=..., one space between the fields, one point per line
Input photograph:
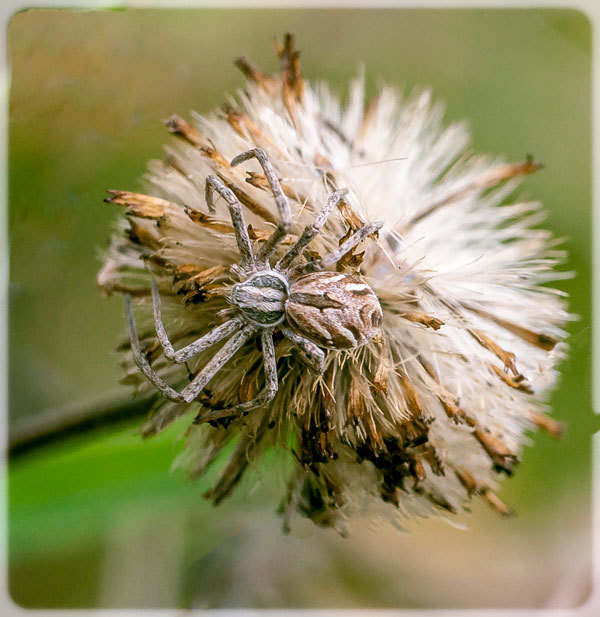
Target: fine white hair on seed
x=349 y=279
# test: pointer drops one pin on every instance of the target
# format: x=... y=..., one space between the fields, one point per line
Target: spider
x=312 y=307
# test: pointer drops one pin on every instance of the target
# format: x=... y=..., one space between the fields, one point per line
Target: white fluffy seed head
x=436 y=406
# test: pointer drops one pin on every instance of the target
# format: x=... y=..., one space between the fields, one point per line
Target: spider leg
x=142 y=363
x=206 y=341
x=237 y=218
x=315 y=356
x=265 y=396
x=285 y=214
x=191 y=391
x=310 y=231
x=331 y=258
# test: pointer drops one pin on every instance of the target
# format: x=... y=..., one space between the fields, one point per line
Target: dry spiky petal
x=260 y=181
x=507 y=357
x=368 y=116
x=200 y=276
x=352 y=218
x=322 y=162
x=380 y=379
x=136 y=292
x=242 y=124
x=139 y=204
x=140 y=234
x=208 y=221
x=292 y=84
x=249 y=202
x=518 y=382
x=267 y=82
x=291 y=75
x=355 y=408
x=501 y=173
x=249 y=384
x=426 y=320
x=418 y=468
x=490 y=178
x=212 y=153
x=263 y=234
x=501 y=456
x=539 y=339
x=180 y=127
x=547 y=424
x=468 y=481
x=496 y=503
x=410 y=394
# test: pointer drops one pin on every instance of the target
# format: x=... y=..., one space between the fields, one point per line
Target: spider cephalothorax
x=262 y=297
x=312 y=307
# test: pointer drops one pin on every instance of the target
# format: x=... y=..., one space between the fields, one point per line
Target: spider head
x=261 y=298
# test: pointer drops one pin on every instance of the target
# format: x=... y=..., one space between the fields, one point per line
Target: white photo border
x=590 y=8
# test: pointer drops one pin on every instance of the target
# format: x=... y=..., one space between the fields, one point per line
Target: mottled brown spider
x=312 y=307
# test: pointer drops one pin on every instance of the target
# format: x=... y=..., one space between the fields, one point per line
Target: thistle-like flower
x=345 y=280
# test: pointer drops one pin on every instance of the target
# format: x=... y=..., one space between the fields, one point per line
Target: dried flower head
x=388 y=318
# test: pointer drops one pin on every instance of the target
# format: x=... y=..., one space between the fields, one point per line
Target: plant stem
x=54 y=424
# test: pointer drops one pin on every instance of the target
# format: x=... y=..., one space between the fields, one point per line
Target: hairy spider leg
x=265 y=396
x=285 y=214
x=206 y=341
x=310 y=231
x=191 y=391
x=331 y=258
x=237 y=218
x=315 y=357
x=138 y=357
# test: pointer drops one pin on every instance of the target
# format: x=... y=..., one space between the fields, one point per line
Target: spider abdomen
x=337 y=311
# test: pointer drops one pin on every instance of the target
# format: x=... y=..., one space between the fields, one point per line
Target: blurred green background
x=100 y=520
